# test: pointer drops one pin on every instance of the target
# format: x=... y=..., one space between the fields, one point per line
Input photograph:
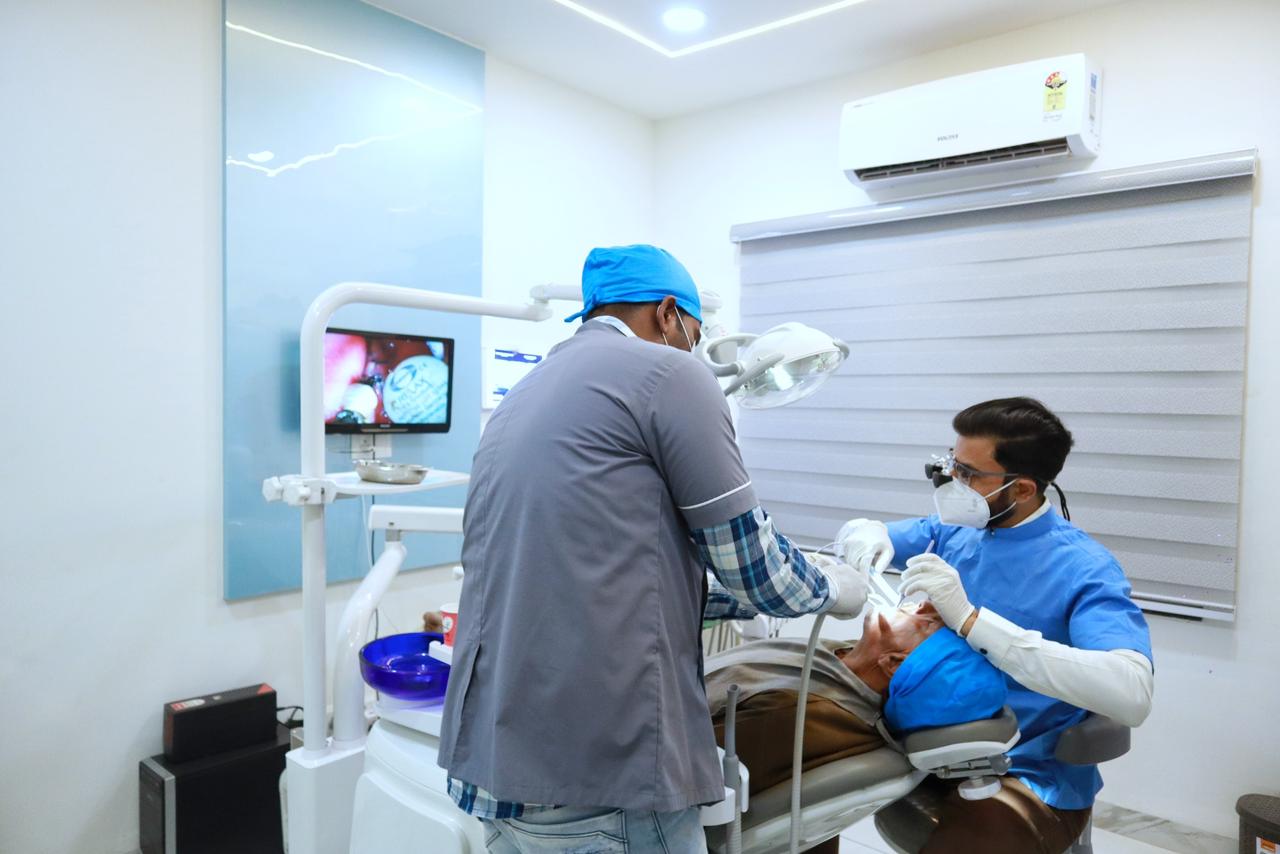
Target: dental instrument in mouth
x=919 y=597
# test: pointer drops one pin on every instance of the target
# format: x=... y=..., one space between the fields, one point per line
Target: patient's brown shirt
x=839 y=717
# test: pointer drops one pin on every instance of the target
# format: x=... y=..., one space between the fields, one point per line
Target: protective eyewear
x=946 y=468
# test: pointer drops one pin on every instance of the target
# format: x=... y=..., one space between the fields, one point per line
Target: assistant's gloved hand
x=941 y=583
x=865 y=543
x=847 y=586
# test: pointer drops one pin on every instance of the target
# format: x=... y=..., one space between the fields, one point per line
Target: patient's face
x=889 y=638
x=901 y=631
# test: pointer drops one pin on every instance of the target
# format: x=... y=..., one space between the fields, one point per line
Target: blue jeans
x=568 y=830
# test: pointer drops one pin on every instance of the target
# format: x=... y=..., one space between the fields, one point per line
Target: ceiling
x=658 y=73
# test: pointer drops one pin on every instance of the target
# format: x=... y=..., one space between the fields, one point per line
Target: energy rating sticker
x=1266 y=846
x=1055 y=92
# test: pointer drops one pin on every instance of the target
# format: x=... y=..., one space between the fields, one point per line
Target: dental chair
x=843 y=792
x=906 y=825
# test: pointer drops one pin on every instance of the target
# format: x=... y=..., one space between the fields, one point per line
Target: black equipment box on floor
x=229 y=802
x=216 y=723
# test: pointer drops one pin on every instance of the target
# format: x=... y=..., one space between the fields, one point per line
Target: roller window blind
x=1124 y=311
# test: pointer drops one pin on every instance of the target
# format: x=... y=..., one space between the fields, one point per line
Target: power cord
x=293 y=721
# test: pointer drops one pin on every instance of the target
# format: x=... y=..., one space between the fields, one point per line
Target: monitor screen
x=384 y=381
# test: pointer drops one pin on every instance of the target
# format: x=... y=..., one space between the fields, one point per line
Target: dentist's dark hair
x=1029 y=439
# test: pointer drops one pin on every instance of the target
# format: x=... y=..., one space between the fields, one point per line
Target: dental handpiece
x=920 y=597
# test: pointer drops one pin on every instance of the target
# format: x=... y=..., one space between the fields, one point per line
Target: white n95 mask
x=958 y=504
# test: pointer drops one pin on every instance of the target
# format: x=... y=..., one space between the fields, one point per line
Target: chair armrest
x=953 y=745
x=1095 y=739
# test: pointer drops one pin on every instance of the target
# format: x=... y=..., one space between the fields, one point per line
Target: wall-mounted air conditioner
x=1034 y=113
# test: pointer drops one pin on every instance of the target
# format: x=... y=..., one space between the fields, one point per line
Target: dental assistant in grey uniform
x=609 y=513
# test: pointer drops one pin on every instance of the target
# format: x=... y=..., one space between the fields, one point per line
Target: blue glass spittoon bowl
x=399 y=666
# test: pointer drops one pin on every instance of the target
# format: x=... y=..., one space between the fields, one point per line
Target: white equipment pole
x=314 y=324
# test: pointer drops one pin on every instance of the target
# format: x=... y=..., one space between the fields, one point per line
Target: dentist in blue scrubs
x=1043 y=601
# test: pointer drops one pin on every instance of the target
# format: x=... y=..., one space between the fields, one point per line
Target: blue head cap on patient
x=639 y=273
x=943 y=682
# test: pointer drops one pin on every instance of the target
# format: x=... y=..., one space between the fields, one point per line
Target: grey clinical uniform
x=577 y=677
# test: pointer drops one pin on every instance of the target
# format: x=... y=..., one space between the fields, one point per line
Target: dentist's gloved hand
x=865 y=543
x=847 y=586
x=941 y=583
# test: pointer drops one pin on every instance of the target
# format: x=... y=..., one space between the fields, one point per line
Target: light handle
x=755 y=371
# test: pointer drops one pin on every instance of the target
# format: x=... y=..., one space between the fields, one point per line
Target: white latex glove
x=865 y=543
x=941 y=583
x=847 y=586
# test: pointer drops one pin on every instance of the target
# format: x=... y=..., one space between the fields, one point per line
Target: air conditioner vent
x=1029 y=151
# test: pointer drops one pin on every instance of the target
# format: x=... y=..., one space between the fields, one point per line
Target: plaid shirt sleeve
x=758 y=571
x=721 y=605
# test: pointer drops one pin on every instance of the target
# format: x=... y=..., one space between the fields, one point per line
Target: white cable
x=797 y=751
x=880 y=586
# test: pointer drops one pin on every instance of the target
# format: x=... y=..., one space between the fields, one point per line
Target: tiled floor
x=1160 y=832
x=863 y=839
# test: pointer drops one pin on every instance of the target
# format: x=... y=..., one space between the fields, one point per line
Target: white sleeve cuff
x=992 y=635
x=1115 y=683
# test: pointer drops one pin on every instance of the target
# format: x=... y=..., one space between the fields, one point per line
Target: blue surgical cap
x=943 y=682
x=639 y=273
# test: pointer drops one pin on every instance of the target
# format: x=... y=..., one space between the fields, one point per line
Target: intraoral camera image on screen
x=385 y=381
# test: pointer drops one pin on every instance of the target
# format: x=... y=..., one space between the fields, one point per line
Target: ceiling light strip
x=764 y=28
x=616 y=26
x=619 y=27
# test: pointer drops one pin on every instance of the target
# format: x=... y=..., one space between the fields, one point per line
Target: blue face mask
x=943 y=682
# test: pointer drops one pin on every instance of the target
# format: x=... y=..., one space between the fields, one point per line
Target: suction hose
x=802 y=703
x=797 y=754
x=732 y=774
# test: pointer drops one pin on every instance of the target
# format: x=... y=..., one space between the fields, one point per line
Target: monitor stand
x=370 y=446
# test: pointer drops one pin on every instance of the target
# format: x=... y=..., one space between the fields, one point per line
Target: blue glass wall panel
x=353 y=152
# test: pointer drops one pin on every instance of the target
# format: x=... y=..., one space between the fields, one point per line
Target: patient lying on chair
x=907 y=668
x=848 y=686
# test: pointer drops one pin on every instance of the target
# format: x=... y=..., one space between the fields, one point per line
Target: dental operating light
x=787 y=363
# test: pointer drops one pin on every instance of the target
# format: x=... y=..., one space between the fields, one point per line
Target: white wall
x=564 y=172
x=111 y=282
x=1181 y=79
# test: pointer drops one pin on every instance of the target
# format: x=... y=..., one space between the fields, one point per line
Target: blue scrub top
x=1050 y=577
